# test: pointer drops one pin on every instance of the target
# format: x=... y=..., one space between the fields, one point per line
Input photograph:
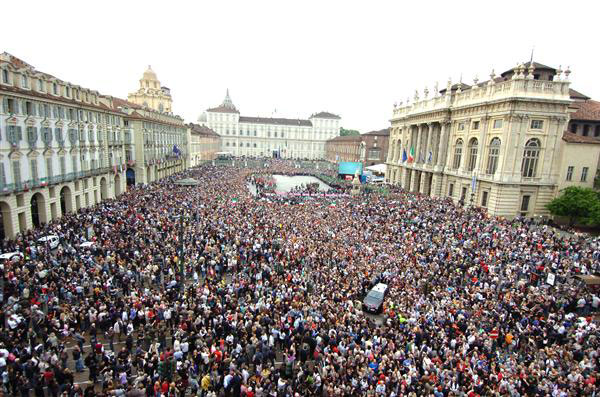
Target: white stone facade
x=61 y=147
x=266 y=136
x=497 y=144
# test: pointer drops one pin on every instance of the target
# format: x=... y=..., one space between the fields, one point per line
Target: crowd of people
x=207 y=290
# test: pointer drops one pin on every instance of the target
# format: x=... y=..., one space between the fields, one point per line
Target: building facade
x=151 y=94
x=268 y=136
x=499 y=144
x=203 y=144
x=156 y=144
x=374 y=148
x=61 y=147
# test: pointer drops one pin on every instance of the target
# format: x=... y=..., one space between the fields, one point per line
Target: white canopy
x=378 y=168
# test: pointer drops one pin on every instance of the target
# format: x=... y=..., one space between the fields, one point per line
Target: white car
x=52 y=241
x=87 y=245
x=11 y=256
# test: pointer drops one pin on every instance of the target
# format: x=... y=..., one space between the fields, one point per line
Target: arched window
x=531 y=154
x=493 y=154
x=457 y=154
x=473 y=147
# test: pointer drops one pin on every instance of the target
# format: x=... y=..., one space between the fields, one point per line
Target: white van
x=52 y=241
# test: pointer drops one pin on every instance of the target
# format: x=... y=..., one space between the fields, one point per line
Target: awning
x=378 y=168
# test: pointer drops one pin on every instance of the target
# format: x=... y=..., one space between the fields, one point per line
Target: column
x=443 y=147
x=485 y=121
x=418 y=148
x=436 y=185
x=414 y=183
x=423 y=182
x=428 y=146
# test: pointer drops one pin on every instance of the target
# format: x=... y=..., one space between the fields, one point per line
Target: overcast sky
x=352 y=58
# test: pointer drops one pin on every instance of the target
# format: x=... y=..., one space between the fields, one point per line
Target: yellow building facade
x=500 y=144
x=151 y=94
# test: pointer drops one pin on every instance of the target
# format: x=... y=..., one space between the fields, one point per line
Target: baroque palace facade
x=501 y=144
x=268 y=136
x=64 y=147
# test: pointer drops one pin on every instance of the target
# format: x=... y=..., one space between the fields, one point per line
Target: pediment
x=45 y=123
x=30 y=121
x=12 y=120
x=33 y=153
x=15 y=154
x=62 y=152
x=59 y=123
x=48 y=152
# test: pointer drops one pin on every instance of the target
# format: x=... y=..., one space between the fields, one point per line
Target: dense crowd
x=209 y=291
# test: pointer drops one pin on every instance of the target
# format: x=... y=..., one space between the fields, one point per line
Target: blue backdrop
x=348 y=168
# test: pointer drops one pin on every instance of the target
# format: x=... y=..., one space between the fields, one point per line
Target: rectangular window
x=461 y=126
x=475 y=125
x=584 y=172
x=570 y=173
x=463 y=194
x=497 y=124
x=24 y=82
x=2 y=175
x=16 y=172
x=525 y=203
x=573 y=128
x=63 y=165
x=49 y=167
x=537 y=124
x=74 y=163
x=451 y=190
x=484 y=198
x=41 y=85
x=5 y=78
x=586 y=130
x=34 y=169
x=55 y=88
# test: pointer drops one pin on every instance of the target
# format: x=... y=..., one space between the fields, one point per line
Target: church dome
x=149 y=74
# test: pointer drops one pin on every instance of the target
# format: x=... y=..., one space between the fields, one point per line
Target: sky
x=294 y=58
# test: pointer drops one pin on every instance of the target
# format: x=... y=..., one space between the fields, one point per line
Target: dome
x=202 y=118
x=149 y=74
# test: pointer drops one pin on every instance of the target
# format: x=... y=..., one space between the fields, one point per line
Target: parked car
x=52 y=241
x=373 y=302
x=11 y=256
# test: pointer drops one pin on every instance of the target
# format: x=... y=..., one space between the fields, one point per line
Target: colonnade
x=420 y=151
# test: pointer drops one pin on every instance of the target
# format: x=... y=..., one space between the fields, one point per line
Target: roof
x=325 y=115
x=577 y=95
x=124 y=103
x=574 y=138
x=345 y=138
x=201 y=130
x=536 y=66
x=454 y=87
x=276 y=121
x=384 y=132
x=223 y=109
x=586 y=110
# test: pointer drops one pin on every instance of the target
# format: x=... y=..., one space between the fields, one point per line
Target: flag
x=430 y=157
x=473 y=182
x=176 y=150
x=404 y=156
x=411 y=155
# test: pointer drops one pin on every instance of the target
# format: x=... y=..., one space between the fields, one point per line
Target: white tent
x=377 y=168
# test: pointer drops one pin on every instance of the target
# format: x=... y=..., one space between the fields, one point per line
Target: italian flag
x=333 y=204
x=235 y=200
x=411 y=155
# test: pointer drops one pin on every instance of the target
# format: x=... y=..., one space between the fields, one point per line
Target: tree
x=345 y=132
x=578 y=204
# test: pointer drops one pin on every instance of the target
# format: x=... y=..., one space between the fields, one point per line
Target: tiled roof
x=586 y=110
x=202 y=130
x=345 y=138
x=574 y=138
x=325 y=115
x=526 y=64
x=577 y=95
x=223 y=109
x=276 y=121
x=50 y=97
x=385 y=132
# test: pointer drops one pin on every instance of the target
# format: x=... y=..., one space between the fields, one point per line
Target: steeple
x=227 y=103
